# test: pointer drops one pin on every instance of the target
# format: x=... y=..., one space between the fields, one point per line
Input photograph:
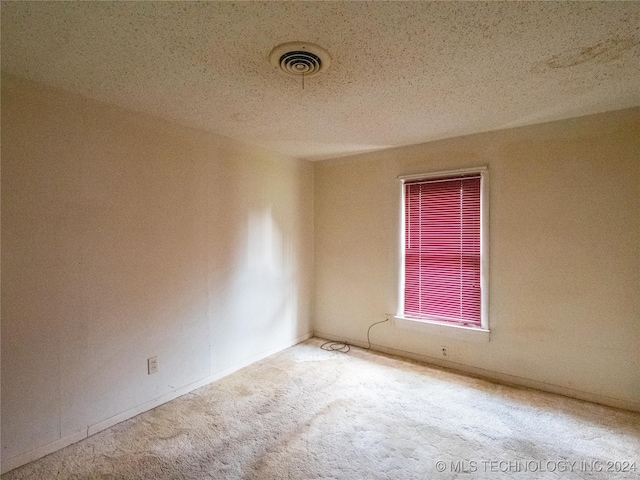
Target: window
x=443 y=251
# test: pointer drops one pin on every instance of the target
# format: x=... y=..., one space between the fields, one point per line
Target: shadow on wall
x=261 y=290
x=258 y=258
x=269 y=274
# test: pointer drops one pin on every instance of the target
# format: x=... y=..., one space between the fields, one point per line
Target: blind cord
x=345 y=347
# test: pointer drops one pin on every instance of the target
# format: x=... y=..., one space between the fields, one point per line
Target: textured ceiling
x=402 y=73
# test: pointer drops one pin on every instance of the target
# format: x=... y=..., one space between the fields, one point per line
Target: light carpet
x=310 y=414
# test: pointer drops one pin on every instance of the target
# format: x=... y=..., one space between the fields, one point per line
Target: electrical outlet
x=152 y=365
x=444 y=351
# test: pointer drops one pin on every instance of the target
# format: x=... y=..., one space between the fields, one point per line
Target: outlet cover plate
x=152 y=365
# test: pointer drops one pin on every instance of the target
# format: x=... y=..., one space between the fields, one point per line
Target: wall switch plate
x=152 y=365
x=444 y=351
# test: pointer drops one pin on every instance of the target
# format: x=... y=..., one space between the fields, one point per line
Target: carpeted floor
x=306 y=413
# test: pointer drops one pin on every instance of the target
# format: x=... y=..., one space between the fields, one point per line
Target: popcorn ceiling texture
x=306 y=413
x=402 y=72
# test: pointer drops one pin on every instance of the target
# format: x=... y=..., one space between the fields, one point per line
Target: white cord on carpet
x=345 y=347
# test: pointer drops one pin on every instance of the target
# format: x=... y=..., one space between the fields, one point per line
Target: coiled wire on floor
x=344 y=347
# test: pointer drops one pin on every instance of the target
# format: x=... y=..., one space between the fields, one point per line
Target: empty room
x=341 y=240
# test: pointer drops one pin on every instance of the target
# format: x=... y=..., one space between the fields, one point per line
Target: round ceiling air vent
x=298 y=58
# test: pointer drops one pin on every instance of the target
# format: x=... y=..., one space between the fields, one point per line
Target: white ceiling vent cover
x=299 y=58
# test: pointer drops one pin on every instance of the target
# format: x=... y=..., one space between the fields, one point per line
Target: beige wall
x=125 y=237
x=564 y=253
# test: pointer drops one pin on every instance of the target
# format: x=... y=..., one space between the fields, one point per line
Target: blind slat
x=442 y=249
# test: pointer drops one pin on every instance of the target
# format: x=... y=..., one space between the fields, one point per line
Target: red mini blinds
x=442 y=249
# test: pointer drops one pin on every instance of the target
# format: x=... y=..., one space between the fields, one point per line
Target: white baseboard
x=496 y=376
x=9 y=464
x=39 y=452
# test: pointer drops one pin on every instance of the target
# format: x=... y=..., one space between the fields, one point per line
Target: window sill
x=459 y=332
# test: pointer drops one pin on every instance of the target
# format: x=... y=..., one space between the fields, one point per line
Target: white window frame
x=435 y=327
